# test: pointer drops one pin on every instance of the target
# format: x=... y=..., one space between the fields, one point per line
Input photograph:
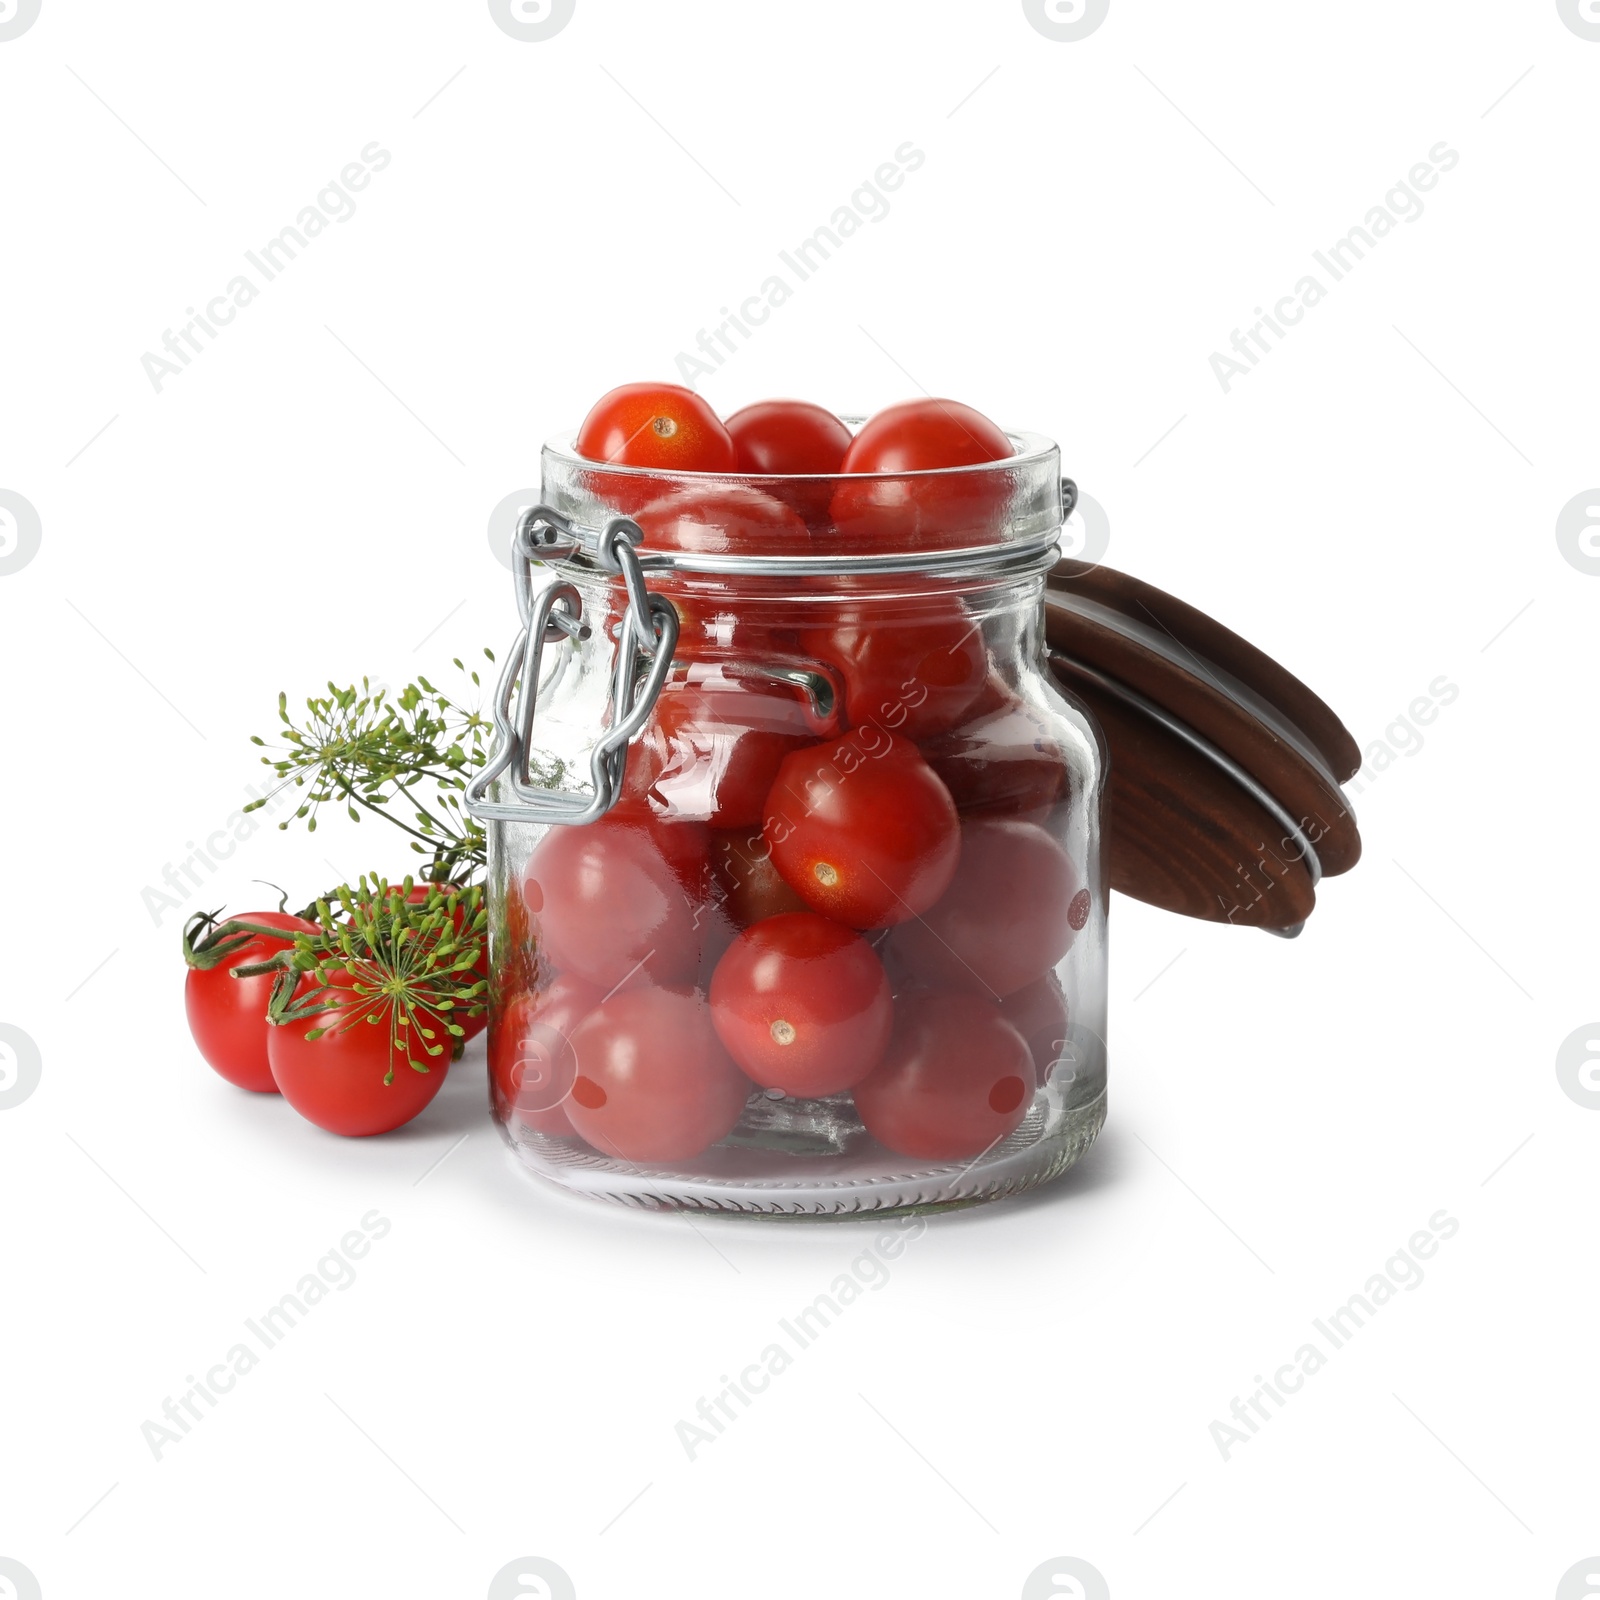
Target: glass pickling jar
x=796 y=892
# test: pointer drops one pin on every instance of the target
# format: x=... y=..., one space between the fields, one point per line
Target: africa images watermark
x=16 y=1581
x=869 y=203
x=334 y=1271
x=1403 y=1270
x=1582 y=16
x=1403 y=203
x=1403 y=736
x=21 y=532
x=1577 y=1066
x=335 y=202
x=869 y=1270
x=1577 y=533
x=532 y=21
x=16 y=17
x=1066 y=21
x=21 y=1066
x=1065 y=1578
x=531 y=1578
x=182 y=880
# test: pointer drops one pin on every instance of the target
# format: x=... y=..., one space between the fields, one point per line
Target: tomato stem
x=207 y=943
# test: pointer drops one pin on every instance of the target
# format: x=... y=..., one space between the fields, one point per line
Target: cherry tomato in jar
x=1001 y=761
x=686 y=847
x=532 y=1064
x=1039 y=1014
x=788 y=437
x=337 y=1081
x=228 y=1015
x=729 y=520
x=923 y=436
x=722 y=732
x=714 y=520
x=748 y=886
x=802 y=1004
x=682 y=842
x=516 y=953
x=646 y=755
x=862 y=829
x=654 y=1082
x=914 y=667
x=607 y=902
x=774 y=438
x=996 y=695
x=956 y=1079
x=1006 y=919
x=710 y=627
x=659 y=425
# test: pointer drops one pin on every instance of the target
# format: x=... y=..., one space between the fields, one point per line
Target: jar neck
x=899 y=589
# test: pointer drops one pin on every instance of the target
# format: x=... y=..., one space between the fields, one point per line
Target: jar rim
x=993 y=513
x=1031 y=450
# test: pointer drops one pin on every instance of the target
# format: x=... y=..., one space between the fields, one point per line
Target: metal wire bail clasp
x=647 y=633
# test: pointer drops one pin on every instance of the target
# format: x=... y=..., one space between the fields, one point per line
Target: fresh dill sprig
x=377 y=956
x=398 y=756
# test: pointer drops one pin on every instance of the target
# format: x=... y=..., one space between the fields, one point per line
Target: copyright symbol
x=16 y=17
x=20 y=531
x=1066 y=21
x=532 y=20
x=1582 y=16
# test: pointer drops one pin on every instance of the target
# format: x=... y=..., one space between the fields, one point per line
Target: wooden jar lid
x=1224 y=799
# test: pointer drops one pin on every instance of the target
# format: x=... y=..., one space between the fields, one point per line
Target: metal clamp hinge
x=648 y=633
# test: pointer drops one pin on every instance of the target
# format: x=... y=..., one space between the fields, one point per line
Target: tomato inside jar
x=797 y=902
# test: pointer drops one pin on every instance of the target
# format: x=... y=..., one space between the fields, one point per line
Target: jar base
x=835 y=1183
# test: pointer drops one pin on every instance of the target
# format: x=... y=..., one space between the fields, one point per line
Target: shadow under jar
x=796 y=894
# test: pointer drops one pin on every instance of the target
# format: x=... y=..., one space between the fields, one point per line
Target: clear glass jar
x=796 y=894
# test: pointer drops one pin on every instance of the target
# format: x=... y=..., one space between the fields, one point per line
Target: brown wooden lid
x=1224 y=799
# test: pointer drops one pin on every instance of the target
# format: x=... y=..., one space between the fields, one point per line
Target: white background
x=1375 y=504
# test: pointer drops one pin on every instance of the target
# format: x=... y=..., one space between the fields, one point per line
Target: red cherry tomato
x=728 y=520
x=786 y=437
x=920 y=435
x=802 y=1004
x=1039 y=1014
x=337 y=1081
x=720 y=734
x=660 y=425
x=607 y=903
x=516 y=952
x=718 y=520
x=1001 y=761
x=748 y=886
x=654 y=1082
x=532 y=1064
x=1006 y=917
x=685 y=846
x=956 y=1079
x=862 y=829
x=717 y=932
x=917 y=436
x=912 y=667
x=774 y=438
x=228 y=1015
